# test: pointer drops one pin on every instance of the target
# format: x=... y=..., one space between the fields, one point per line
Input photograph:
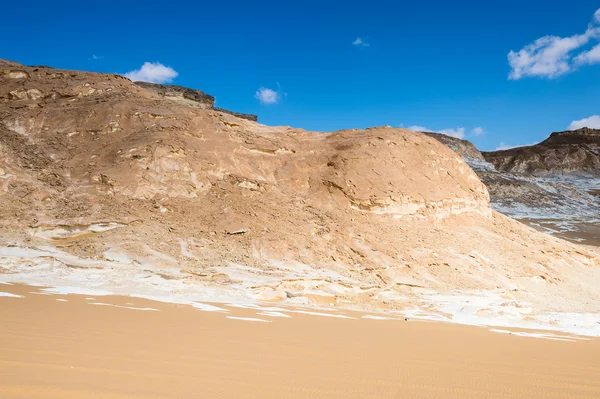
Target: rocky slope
x=109 y=185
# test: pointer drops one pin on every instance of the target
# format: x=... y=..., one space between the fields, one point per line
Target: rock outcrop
x=103 y=174
x=249 y=117
x=190 y=97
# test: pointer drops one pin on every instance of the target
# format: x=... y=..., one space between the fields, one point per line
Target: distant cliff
x=555 y=179
x=570 y=152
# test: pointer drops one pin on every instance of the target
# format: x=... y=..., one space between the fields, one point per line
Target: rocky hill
x=109 y=184
x=570 y=152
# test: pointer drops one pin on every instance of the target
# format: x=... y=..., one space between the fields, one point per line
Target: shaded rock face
x=191 y=97
x=464 y=148
x=142 y=186
x=570 y=152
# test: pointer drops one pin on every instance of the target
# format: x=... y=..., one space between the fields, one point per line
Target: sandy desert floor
x=76 y=346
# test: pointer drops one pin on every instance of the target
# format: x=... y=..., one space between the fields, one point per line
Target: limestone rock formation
x=100 y=173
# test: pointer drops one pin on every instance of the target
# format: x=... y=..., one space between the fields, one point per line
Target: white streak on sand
x=9 y=295
x=65 y=290
x=552 y=337
x=208 y=308
x=122 y=307
x=373 y=317
x=339 y=316
x=274 y=314
x=257 y=307
x=248 y=319
x=62 y=300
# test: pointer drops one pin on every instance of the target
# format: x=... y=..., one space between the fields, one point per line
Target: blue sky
x=437 y=64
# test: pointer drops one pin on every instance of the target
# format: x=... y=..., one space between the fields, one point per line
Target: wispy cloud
x=593 y=122
x=478 y=131
x=360 y=42
x=459 y=132
x=267 y=96
x=417 y=128
x=591 y=56
x=97 y=57
x=153 y=72
x=553 y=56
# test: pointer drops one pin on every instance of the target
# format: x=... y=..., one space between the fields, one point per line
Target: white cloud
x=592 y=122
x=478 y=131
x=459 y=132
x=360 y=42
x=552 y=56
x=153 y=72
x=417 y=128
x=97 y=57
x=588 y=57
x=267 y=96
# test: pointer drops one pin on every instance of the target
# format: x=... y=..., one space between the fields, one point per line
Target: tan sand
x=57 y=349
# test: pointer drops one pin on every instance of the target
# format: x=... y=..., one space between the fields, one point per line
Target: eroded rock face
x=370 y=217
x=570 y=152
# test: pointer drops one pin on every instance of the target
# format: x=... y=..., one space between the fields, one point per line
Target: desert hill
x=104 y=178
